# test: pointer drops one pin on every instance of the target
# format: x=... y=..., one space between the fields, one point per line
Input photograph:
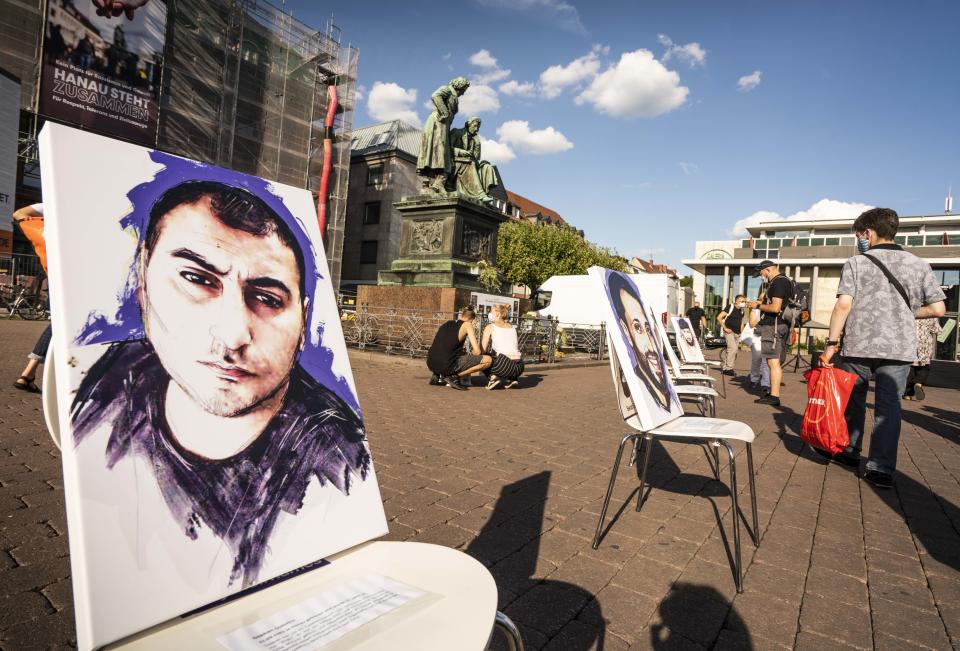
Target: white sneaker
x=493 y=383
x=511 y=384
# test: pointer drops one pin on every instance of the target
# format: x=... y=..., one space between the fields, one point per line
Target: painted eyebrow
x=265 y=282
x=197 y=259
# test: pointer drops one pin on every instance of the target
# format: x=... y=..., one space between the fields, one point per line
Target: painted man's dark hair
x=236 y=208
x=883 y=221
x=616 y=283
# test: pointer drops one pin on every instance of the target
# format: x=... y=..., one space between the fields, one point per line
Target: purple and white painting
x=215 y=436
x=633 y=335
x=687 y=341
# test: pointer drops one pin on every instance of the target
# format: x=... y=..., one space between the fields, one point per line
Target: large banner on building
x=101 y=70
x=9 y=124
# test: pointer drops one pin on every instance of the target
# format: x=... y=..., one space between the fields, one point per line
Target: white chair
x=684 y=373
x=715 y=432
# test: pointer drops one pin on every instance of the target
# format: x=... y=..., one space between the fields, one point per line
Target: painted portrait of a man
x=644 y=359
x=687 y=340
x=211 y=433
x=213 y=395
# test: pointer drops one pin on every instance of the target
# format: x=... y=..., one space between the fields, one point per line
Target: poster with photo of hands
x=211 y=431
x=633 y=335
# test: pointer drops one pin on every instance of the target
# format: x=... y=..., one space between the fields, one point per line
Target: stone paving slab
x=516 y=479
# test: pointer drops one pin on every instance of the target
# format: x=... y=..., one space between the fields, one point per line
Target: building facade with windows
x=813 y=253
x=243 y=85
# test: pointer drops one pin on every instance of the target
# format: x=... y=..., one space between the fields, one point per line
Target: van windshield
x=542 y=300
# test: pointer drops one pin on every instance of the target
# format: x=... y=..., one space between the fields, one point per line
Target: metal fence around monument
x=407 y=331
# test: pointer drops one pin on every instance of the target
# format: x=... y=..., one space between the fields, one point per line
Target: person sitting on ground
x=447 y=359
x=28 y=376
x=501 y=337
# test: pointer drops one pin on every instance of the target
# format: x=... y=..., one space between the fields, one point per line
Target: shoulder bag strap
x=893 y=280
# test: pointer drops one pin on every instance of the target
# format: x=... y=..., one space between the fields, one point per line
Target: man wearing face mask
x=881 y=293
x=771 y=328
x=731 y=323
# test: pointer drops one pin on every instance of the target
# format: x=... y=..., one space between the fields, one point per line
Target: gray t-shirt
x=880 y=325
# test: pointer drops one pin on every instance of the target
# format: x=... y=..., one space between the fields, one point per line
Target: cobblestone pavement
x=516 y=479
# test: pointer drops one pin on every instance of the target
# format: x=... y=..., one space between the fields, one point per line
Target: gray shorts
x=466 y=361
x=772 y=341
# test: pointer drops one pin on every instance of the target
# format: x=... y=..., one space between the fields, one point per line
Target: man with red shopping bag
x=824 y=425
x=882 y=290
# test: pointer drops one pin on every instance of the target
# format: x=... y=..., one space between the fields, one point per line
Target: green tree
x=686 y=281
x=528 y=254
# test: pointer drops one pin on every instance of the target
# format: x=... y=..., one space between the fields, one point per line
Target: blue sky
x=651 y=125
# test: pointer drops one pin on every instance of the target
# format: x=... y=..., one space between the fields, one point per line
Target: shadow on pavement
x=695 y=609
x=933 y=520
x=542 y=608
x=942 y=422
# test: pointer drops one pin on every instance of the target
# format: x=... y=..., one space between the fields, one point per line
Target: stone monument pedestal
x=442 y=241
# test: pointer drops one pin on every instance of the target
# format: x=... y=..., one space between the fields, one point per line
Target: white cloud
x=517 y=134
x=390 y=101
x=747 y=83
x=495 y=152
x=688 y=168
x=822 y=210
x=489 y=77
x=692 y=53
x=556 y=78
x=522 y=89
x=446 y=57
x=483 y=59
x=560 y=12
x=636 y=86
x=479 y=99
x=361 y=92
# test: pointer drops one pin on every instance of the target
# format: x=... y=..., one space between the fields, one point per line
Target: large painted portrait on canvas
x=687 y=342
x=208 y=372
x=635 y=339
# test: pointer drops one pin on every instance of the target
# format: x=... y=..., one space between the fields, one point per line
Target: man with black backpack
x=881 y=293
x=773 y=328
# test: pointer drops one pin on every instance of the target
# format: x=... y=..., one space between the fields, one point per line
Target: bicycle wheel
x=29 y=311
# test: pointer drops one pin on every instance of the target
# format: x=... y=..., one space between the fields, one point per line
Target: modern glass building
x=812 y=253
x=244 y=85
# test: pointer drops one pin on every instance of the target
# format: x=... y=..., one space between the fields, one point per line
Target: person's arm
x=936 y=310
x=472 y=338
x=838 y=319
x=487 y=333
x=720 y=320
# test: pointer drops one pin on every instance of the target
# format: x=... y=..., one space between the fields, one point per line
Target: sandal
x=27 y=385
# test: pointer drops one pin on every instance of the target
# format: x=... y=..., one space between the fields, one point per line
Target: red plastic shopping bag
x=828 y=391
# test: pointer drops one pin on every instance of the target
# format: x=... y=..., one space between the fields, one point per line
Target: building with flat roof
x=813 y=252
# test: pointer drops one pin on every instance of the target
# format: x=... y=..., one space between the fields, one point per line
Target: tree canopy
x=528 y=254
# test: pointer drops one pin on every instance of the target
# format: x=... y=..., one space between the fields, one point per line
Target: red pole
x=327 y=160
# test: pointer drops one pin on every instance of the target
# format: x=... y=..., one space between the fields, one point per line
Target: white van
x=577 y=300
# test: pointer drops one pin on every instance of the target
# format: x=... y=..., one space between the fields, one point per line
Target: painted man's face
x=222 y=308
x=638 y=330
x=688 y=336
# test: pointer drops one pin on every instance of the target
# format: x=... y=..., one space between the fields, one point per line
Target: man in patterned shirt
x=881 y=293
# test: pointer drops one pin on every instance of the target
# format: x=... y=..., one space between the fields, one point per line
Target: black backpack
x=796 y=309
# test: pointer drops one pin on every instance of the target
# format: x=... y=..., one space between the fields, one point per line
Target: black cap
x=760 y=267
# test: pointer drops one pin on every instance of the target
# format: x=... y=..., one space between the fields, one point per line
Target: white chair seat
x=705 y=428
x=694 y=390
x=688 y=377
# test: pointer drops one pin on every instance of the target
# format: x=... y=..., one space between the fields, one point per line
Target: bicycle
x=16 y=300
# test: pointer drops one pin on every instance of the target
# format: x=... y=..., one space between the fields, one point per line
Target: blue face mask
x=863 y=245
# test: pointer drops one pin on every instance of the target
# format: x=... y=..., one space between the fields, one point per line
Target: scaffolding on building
x=245 y=86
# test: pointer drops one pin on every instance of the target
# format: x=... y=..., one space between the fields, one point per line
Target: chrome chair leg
x=647 y=449
x=753 y=496
x=613 y=480
x=510 y=631
x=736 y=519
x=715 y=449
